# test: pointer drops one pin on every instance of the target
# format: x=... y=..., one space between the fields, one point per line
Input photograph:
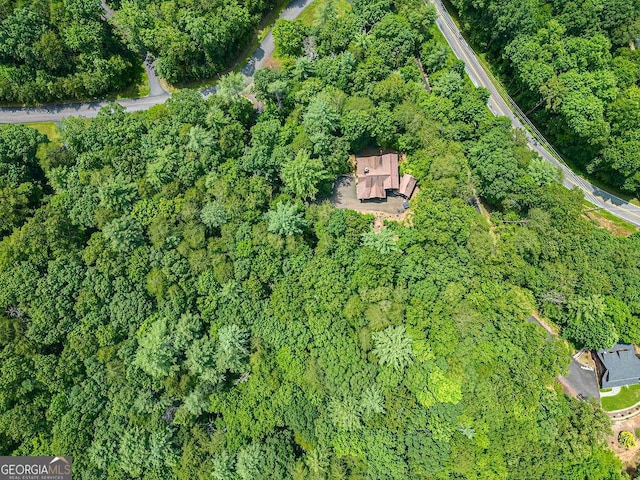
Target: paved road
x=267 y=46
x=499 y=106
x=55 y=113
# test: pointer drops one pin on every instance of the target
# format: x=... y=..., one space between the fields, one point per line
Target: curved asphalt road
x=477 y=74
x=508 y=108
x=55 y=113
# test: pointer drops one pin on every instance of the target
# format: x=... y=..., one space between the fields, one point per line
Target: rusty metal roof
x=376 y=174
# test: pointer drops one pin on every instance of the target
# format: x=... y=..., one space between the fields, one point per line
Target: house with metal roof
x=618 y=366
x=379 y=174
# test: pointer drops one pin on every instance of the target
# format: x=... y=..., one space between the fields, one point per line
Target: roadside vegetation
x=52 y=51
x=50 y=129
x=315 y=14
x=177 y=302
x=190 y=40
x=574 y=67
x=59 y=51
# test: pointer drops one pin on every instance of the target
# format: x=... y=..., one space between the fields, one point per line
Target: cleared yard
x=627 y=397
x=309 y=15
x=49 y=129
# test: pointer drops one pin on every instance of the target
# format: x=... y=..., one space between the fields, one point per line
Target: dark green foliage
x=574 y=68
x=51 y=51
x=190 y=39
x=21 y=178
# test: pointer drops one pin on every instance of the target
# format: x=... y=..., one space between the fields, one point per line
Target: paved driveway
x=582 y=381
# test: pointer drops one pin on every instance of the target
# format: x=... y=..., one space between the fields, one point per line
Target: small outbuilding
x=407 y=185
x=618 y=366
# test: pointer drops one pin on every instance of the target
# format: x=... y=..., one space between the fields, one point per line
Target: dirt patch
x=484 y=211
x=586 y=359
x=544 y=324
x=630 y=458
x=380 y=217
x=615 y=228
x=257 y=104
x=272 y=62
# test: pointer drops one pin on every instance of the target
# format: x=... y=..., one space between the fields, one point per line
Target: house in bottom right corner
x=618 y=366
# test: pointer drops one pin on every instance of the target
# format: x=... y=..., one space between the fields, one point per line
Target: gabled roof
x=621 y=366
x=407 y=184
x=377 y=174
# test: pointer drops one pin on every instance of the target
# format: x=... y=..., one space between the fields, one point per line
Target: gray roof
x=621 y=366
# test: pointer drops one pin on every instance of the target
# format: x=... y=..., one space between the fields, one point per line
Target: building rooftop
x=407 y=185
x=621 y=366
x=377 y=174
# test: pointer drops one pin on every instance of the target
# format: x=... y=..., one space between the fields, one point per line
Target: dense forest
x=178 y=301
x=191 y=39
x=60 y=50
x=575 y=67
x=66 y=50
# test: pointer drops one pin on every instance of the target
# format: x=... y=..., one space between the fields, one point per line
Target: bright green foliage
x=285 y=219
x=169 y=311
x=199 y=139
x=588 y=323
x=155 y=355
x=232 y=349
x=542 y=172
x=434 y=56
x=213 y=214
x=222 y=467
x=289 y=37
x=372 y=400
x=626 y=439
x=393 y=347
x=384 y=241
x=345 y=415
x=230 y=86
x=124 y=234
x=302 y=175
x=447 y=84
x=445 y=388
